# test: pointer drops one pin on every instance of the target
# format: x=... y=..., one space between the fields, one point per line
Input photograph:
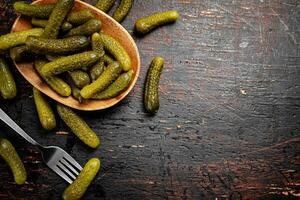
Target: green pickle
x=45 y=113
x=80 y=17
x=57 y=46
x=56 y=83
x=78 y=126
x=80 y=78
x=147 y=24
x=8 y=88
x=110 y=74
x=77 y=189
x=75 y=90
x=11 y=157
x=151 y=96
x=69 y=63
x=87 y=29
x=122 y=10
x=99 y=67
x=57 y=17
x=107 y=59
x=18 y=38
x=20 y=53
x=105 y=5
x=116 y=87
x=39 y=11
x=117 y=50
x=43 y=23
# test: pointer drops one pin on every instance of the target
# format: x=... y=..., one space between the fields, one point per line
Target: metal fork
x=55 y=158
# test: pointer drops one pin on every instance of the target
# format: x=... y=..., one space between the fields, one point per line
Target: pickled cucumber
x=107 y=59
x=87 y=29
x=18 y=38
x=79 y=186
x=75 y=90
x=147 y=24
x=8 y=87
x=97 y=46
x=43 y=22
x=80 y=17
x=57 y=46
x=56 y=83
x=20 y=53
x=45 y=113
x=80 y=78
x=110 y=74
x=116 y=87
x=151 y=96
x=9 y=154
x=40 y=11
x=78 y=126
x=105 y=5
x=57 y=17
x=69 y=63
x=122 y=10
x=117 y=50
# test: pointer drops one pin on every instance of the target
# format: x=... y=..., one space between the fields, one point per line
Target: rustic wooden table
x=228 y=126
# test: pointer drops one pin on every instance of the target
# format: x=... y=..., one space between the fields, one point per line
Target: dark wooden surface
x=228 y=126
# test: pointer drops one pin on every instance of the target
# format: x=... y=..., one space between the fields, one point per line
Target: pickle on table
x=122 y=10
x=8 y=88
x=147 y=24
x=18 y=38
x=80 y=78
x=20 y=53
x=77 y=189
x=116 y=87
x=69 y=63
x=78 y=126
x=105 y=5
x=39 y=11
x=117 y=50
x=110 y=74
x=11 y=157
x=56 y=46
x=45 y=113
x=57 y=17
x=75 y=89
x=56 y=83
x=151 y=96
x=43 y=23
x=80 y=17
x=87 y=29
x=99 y=67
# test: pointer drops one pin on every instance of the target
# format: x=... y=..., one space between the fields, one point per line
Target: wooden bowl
x=110 y=27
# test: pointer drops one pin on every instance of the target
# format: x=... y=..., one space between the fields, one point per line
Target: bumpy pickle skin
x=18 y=38
x=107 y=59
x=56 y=83
x=122 y=10
x=80 y=17
x=80 y=78
x=8 y=88
x=149 y=23
x=87 y=29
x=45 y=113
x=43 y=23
x=75 y=90
x=78 y=126
x=77 y=189
x=116 y=87
x=117 y=50
x=99 y=67
x=57 y=17
x=151 y=95
x=69 y=63
x=39 y=11
x=63 y=46
x=105 y=5
x=9 y=154
x=110 y=74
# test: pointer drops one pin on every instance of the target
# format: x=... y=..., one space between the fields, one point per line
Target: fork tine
x=61 y=174
x=66 y=170
x=72 y=161
x=66 y=164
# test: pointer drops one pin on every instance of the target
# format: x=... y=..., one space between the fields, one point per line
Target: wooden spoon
x=110 y=27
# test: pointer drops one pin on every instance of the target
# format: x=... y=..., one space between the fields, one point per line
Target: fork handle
x=7 y=120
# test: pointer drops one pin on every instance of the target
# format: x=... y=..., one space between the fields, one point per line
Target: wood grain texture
x=228 y=125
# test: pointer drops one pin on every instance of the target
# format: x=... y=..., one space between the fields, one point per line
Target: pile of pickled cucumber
x=74 y=57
